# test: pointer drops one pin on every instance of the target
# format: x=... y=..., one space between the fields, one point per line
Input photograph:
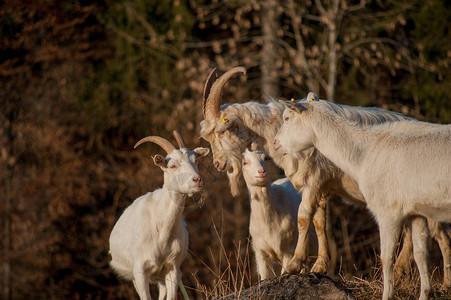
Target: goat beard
x=199 y=199
x=234 y=178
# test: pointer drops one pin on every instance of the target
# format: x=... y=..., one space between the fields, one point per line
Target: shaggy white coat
x=403 y=170
x=309 y=171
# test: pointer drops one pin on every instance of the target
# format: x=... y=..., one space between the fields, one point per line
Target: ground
x=318 y=286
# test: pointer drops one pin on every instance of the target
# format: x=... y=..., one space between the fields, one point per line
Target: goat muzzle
x=198 y=181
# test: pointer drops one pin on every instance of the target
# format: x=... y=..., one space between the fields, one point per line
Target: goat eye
x=286 y=119
x=244 y=163
x=173 y=167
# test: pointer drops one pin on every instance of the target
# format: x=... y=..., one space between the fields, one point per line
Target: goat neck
x=171 y=206
x=261 y=200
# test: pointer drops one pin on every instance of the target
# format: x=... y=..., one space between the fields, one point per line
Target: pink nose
x=219 y=165
x=262 y=172
x=198 y=181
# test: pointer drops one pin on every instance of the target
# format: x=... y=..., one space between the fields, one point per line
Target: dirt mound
x=302 y=286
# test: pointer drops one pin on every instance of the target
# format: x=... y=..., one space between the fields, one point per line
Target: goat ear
x=254 y=146
x=224 y=125
x=201 y=152
x=312 y=97
x=296 y=107
x=160 y=161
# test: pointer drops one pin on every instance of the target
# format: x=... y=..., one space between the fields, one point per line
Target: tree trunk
x=6 y=217
x=332 y=78
x=6 y=293
x=270 y=79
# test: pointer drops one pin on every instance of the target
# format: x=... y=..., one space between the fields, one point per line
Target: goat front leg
x=141 y=282
x=161 y=290
x=420 y=235
x=264 y=265
x=285 y=260
x=306 y=210
x=441 y=232
x=319 y=220
x=389 y=227
x=172 y=279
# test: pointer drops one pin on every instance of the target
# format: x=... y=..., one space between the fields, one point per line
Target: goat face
x=227 y=143
x=228 y=139
x=254 y=168
x=293 y=136
x=180 y=170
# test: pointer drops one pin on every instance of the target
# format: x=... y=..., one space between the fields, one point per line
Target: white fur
x=150 y=240
x=402 y=169
x=273 y=216
x=310 y=171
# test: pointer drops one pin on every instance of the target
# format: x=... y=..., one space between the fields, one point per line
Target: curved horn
x=163 y=143
x=179 y=139
x=210 y=80
x=213 y=95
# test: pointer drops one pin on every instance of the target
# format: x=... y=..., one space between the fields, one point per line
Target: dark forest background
x=82 y=81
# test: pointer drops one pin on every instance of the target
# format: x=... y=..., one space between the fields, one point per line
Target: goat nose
x=216 y=163
x=261 y=171
x=198 y=181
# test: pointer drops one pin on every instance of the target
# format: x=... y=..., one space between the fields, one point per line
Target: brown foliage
x=67 y=168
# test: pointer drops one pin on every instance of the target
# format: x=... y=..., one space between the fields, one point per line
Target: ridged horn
x=163 y=143
x=179 y=139
x=212 y=92
x=211 y=78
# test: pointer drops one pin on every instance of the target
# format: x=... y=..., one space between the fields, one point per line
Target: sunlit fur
x=309 y=171
x=402 y=169
x=149 y=241
x=272 y=223
x=441 y=232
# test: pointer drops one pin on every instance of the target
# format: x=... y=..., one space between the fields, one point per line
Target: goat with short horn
x=149 y=241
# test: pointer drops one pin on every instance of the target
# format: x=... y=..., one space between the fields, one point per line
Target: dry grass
x=231 y=271
x=407 y=287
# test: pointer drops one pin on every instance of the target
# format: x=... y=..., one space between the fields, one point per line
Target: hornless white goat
x=403 y=170
x=149 y=241
x=272 y=223
x=231 y=128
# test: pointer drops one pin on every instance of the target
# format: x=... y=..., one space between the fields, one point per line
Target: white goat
x=231 y=128
x=403 y=170
x=150 y=240
x=272 y=223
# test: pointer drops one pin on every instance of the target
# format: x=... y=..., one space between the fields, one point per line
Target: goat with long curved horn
x=162 y=142
x=213 y=90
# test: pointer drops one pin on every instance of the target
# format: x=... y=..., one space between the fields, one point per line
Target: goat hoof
x=319 y=268
x=294 y=267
